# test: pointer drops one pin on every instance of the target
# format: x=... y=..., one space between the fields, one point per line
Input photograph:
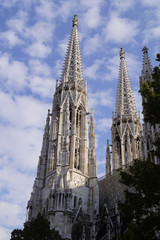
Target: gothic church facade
x=66 y=184
x=66 y=188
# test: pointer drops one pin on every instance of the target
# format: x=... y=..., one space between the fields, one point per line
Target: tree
x=141 y=209
x=37 y=229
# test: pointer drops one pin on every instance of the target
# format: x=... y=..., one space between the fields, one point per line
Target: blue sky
x=33 y=41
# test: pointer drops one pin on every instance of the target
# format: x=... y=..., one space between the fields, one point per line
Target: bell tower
x=126 y=126
x=66 y=183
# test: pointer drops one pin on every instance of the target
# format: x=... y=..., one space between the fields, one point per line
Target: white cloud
x=18 y=23
x=92 y=71
x=10 y=38
x=42 y=85
x=21 y=122
x=103 y=124
x=46 y=10
x=66 y=9
x=40 y=32
x=15 y=72
x=101 y=98
x=122 y=5
x=149 y=3
x=25 y=110
x=25 y=156
x=5 y=233
x=92 y=44
x=121 y=30
x=151 y=33
x=92 y=17
x=18 y=184
x=38 y=50
x=39 y=68
x=10 y=214
x=8 y=3
x=112 y=65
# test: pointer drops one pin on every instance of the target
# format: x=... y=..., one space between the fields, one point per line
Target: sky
x=33 y=39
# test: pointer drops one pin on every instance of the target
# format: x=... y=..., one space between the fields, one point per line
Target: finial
x=122 y=53
x=75 y=21
x=145 y=49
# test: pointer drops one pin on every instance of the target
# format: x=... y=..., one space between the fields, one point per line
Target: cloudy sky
x=33 y=40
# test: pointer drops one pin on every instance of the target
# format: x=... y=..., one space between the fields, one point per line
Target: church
x=66 y=189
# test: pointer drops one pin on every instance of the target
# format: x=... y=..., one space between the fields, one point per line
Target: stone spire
x=147 y=68
x=92 y=132
x=126 y=126
x=108 y=159
x=72 y=69
x=92 y=166
x=125 y=101
x=92 y=149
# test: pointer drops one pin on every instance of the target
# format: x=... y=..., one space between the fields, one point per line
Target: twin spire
x=72 y=69
x=125 y=101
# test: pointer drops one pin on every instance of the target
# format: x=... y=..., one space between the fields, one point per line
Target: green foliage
x=141 y=210
x=37 y=229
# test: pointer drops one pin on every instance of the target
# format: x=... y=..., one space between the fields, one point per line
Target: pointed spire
x=72 y=69
x=108 y=159
x=125 y=101
x=47 y=122
x=92 y=132
x=147 y=68
x=46 y=136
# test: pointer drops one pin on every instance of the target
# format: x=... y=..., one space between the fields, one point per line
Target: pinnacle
x=122 y=53
x=145 y=49
x=75 y=21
